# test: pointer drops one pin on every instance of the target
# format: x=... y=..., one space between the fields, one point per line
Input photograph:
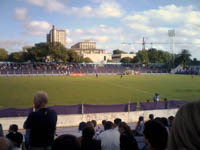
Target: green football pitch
x=18 y=92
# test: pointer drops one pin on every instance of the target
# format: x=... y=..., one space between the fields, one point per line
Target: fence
x=89 y=109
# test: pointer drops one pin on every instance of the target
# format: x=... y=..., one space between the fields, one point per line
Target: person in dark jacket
x=87 y=141
x=127 y=139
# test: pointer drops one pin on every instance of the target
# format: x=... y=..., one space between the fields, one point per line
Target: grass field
x=18 y=92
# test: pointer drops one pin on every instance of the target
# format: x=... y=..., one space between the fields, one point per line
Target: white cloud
x=109 y=9
x=37 y=2
x=67 y=31
x=38 y=25
x=13 y=45
x=155 y=24
x=69 y=40
x=21 y=14
x=33 y=27
x=37 y=28
x=104 y=8
x=101 y=39
x=78 y=31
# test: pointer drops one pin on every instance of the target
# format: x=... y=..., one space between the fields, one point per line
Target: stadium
x=99 y=75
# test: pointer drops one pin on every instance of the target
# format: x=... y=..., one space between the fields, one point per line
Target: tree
x=153 y=55
x=87 y=60
x=3 y=54
x=17 y=57
x=117 y=51
x=142 y=57
x=183 y=58
x=126 y=60
x=41 y=51
x=57 y=52
x=38 y=53
x=73 y=56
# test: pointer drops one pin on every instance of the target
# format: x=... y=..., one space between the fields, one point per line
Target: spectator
x=100 y=129
x=166 y=103
x=80 y=128
x=87 y=141
x=156 y=97
x=94 y=123
x=5 y=144
x=139 y=126
x=170 y=121
x=90 y=124
x=65 y=142
x=109 y=138
x=185 y=134
x=1 y=130
x=117 y=121
x=41 y=123
x=155 y=135
x=103 y=123
x=164 y=121
x=127 y=139
x=15 y=137
x=151 y=117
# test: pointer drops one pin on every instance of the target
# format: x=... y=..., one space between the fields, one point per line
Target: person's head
x=170 y=120
x=40 y=99
x=164 y=121
x=155 y=134
x=103 y=122
x=141 y=118
x=66 y=141
x=5 y=144
x=94 y=123
x=88 y=133
x=151 y=117
x=1 y=130
x=124 y=127
x=108 y=125
x=158 y=119
x=90 y=124
x=117 y=121
x=185 y=133
x=13 y=128
x=81 y=126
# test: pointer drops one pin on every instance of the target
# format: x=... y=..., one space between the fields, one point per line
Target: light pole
x=171 y=34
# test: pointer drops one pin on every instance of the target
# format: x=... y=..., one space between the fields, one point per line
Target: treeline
x=43 y=52
x=159 y=56
x=56 y=52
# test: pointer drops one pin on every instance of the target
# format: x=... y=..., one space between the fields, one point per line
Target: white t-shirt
x=110 y=140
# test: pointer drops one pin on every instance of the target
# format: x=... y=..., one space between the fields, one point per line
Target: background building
x=85 y=45
x=57 y=36
x=98 y=57
x=88 y=49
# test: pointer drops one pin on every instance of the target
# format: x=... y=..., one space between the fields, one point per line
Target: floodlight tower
x=171 y=34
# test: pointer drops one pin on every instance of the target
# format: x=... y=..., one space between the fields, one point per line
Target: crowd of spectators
x=157 y=133
x=190 y=71
x=54 y=68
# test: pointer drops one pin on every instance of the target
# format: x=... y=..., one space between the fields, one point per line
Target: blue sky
x=107 y=22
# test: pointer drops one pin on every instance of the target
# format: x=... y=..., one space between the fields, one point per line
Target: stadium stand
x=63 y=69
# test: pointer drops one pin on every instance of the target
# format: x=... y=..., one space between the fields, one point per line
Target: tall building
x=85 y=45
x=57 y=36
x=88 y=49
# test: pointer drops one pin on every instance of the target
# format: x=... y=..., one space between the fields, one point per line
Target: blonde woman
x=185 y=133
